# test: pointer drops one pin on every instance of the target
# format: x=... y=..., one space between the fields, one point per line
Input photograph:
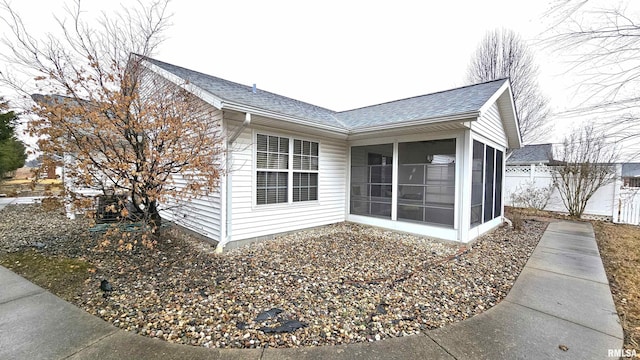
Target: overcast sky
x=340 y=54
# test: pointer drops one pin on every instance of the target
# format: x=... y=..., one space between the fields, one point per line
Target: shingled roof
x=531 y=154
x=442 y=104
x=630 y=169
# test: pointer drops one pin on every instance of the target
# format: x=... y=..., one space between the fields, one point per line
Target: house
x=530 y=171
x=531 y=155
x=631 y=175
x=431 y=165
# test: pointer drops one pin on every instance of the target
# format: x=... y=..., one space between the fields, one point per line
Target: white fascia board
x=278 y=116
x=516 y=121
x=495 y=96
x=468 y=116
x=185 y=84
x=505 y=90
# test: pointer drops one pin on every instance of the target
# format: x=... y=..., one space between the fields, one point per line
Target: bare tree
x=586 y=162
x=602 y=45
x=503 y=54
x=122 y=128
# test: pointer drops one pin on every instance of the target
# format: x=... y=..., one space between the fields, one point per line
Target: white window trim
x=301 y=171
x=289 y=171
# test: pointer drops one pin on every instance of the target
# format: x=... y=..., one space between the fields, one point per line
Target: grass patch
x=43 y=187
x=620 y=251
x=62 y=276
x=29 y=182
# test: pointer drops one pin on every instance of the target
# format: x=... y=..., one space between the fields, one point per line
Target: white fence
x=611 y=202
x=629 y=207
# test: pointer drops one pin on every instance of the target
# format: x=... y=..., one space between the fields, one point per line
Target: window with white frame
x=305 y=170
x=274 y=169
x=486 y=183
x=426 y=172
x=426 y=181
x=371 y=180
x=272 y=163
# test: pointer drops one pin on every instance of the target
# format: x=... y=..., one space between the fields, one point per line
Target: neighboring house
x=24 y=173
x=531 y=154
x=631 y=175
x=530 y=169
x=431 y=165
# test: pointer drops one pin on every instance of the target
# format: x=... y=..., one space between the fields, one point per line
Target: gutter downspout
x=229 y=160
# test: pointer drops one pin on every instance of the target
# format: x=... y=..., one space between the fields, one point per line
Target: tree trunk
x=153 y=215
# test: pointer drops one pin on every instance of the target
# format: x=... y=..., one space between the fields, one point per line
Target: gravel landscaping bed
x=343 y=283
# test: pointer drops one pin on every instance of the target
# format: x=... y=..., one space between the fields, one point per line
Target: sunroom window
x=371 y=179
x=486 y=183
x=426 y=181
x=477 y=177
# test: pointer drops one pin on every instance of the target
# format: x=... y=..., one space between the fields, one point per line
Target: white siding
x=250 y=220
x=490 y=126
x=202 y=215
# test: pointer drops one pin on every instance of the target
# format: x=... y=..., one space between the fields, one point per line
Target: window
x=426 y=181
x=489 y=176
x=633 y=182
x=371 y=173
x=272 y=155
x=305 y=155
x=305 y=167
x=274 y=168
x=486 y=183
x=476 y=183
x=497 y=202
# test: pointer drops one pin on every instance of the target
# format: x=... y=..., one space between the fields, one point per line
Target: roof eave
x=279 y=116
x=526 y=163
x=467 y=116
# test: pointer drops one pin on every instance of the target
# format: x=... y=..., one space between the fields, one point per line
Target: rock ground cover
x=343 y=283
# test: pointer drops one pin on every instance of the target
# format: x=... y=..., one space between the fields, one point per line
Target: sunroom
x=441 y=179
x=424 y=187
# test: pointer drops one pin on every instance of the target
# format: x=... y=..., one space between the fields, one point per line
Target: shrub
x=516 y=221
x=51 y=203
x=528 y=195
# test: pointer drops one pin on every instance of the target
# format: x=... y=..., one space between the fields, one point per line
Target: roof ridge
x=418 y=96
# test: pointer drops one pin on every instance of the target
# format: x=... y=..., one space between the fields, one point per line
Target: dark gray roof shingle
x=531 y=154
x=441 y=104
x=242 y=94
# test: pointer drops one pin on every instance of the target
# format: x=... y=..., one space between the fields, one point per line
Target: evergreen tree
x=12 y=151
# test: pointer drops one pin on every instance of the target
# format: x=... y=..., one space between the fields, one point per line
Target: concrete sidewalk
x=4 y=201
x=561 y=300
